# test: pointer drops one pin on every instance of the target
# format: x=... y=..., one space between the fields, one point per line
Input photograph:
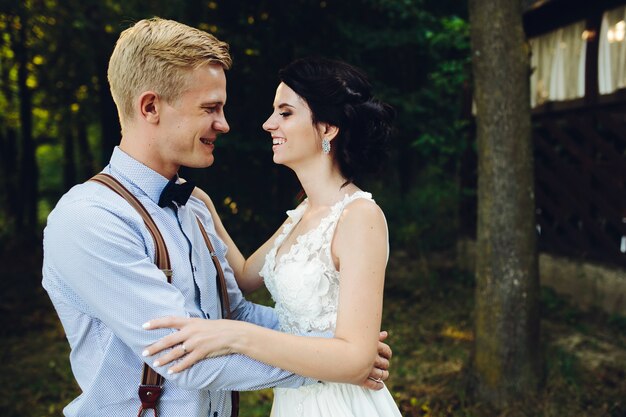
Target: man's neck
x=136 y=146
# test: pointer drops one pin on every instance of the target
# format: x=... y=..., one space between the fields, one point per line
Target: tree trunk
x=28 y=171
x=506 y=358
x=8 y=144
x=85 y=164
x=109 y=121
x=69 y=164
x=8 y=174
x=111 y=130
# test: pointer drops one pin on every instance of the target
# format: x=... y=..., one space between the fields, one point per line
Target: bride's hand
x=196 y=339
x=380 y=370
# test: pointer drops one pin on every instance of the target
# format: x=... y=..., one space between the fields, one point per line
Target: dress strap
x=356 y=195
x=329 y=231
x=294 y=215
x=349 y=198
x=333 y=217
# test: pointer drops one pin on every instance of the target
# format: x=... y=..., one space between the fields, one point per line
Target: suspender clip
x=149 y=395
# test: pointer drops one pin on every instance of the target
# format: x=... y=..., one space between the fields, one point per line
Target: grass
x=428 y=311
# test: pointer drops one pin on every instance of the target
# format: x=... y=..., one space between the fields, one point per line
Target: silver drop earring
x=325 y=146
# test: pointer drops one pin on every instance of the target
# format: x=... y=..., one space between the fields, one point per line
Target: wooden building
x=578 y=100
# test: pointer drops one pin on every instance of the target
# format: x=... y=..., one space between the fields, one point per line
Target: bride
x=325 y=266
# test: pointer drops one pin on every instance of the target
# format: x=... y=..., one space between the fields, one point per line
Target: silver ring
x=184 y=348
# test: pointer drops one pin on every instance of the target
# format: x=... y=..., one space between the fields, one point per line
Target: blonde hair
x=157 y=54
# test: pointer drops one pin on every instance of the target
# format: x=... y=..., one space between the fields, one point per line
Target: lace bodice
x=304 y=282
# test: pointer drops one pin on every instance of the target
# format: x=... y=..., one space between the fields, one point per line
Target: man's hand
x=380 y=371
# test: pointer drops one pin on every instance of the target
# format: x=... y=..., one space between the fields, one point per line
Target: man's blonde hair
x=157 y=54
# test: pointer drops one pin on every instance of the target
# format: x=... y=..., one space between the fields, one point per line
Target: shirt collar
x=146 y=179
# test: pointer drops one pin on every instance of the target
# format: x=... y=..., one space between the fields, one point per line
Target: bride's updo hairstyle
x=340 y=95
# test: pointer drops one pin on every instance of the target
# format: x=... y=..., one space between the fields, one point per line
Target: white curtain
x=612 y=51
x=558 y=64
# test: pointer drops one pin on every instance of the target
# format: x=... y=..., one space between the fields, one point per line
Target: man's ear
x=329 y=131
x=149 y=106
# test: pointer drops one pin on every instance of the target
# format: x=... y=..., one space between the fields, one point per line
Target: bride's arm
x=360 y=248
x=246 y=270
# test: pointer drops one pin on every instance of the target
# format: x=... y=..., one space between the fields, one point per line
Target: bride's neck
x=324 y=187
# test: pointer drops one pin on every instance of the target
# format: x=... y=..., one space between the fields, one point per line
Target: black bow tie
x=177 y=193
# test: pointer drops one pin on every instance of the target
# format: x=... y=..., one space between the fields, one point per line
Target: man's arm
x=100 y=252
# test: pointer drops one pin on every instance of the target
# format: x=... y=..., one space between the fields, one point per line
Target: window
x=558 y=64
x=612 y=51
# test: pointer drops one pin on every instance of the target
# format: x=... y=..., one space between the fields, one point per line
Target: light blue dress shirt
x=99 y=273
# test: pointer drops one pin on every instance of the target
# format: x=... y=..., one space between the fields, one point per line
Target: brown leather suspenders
x=223 y=291
x=221 y=281
x=151 y=382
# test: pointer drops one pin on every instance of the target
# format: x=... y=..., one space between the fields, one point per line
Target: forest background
x=58 y=126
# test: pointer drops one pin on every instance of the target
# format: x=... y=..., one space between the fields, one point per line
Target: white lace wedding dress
x=305 y=286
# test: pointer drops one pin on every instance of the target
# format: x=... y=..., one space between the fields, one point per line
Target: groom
x=169 y=85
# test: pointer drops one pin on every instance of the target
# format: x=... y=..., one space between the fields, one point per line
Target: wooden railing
x=580 y=181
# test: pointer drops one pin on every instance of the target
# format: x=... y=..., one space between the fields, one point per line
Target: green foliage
x=555 y=305
x=618 y=322
x=415 y=52
x=425 y=219
x=568 y=366
x=49 y=159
